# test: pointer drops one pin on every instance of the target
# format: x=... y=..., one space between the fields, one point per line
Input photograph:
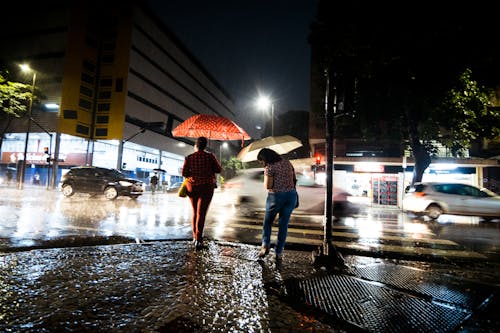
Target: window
x=70 y=114
x=119 y=85
x=103 y=107
x=101 y=132
x=86 y=91
x=87 y=78
x=102 y=119
x=83 y=103
x=104 y=94
x=108 y=58
x=106 y=82
x=81 y=129
x=88 y=66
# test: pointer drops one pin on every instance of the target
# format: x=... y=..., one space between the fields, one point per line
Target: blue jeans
x=284 y=204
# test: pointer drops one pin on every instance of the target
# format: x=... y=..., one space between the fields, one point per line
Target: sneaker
x=279 y=257
x=263 y=252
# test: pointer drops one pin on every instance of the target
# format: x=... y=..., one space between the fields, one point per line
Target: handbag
x=297 y=193
x=183 y=189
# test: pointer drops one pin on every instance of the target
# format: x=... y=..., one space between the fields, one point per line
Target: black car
x=94 y=180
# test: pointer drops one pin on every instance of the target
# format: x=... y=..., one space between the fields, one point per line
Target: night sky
x=248 y=46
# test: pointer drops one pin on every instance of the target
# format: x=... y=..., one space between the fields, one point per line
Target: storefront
x=382 y=182
x=139 y=161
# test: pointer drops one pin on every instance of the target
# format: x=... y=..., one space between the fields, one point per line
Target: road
x=36 y=217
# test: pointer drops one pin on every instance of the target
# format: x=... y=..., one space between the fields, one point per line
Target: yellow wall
x=78 y=51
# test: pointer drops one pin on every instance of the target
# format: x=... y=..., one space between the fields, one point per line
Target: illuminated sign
x=368 y=167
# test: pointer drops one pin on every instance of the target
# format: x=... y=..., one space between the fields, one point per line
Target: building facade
x=120 y=81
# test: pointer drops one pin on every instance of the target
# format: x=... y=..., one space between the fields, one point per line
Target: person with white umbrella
x=280 y=144
x=282 y=199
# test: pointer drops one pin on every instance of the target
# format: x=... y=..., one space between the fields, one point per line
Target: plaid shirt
x=201 y=167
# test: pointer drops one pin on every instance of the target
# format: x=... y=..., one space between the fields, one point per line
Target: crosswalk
x=390 y=236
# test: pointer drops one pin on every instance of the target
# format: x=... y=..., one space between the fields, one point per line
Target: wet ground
x=75 y=283
x=170 y=287
x=36 y=217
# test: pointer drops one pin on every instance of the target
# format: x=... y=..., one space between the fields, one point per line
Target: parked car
x=94 y=180
x=433 y=199
x=246 y=192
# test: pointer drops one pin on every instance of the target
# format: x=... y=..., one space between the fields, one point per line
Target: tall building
x=119 y=80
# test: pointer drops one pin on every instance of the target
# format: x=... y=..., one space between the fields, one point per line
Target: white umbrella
x=280 y=144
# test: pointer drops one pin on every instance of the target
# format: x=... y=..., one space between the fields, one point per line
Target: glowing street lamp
x=222 y=145
x=26 y=68
x=264 y=103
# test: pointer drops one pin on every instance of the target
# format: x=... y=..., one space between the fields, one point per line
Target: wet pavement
x=63 y=270
x=169 y=287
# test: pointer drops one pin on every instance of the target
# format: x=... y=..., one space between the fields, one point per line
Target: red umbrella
x=212 y=127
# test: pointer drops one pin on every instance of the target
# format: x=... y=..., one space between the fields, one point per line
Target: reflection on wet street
x=224 y=287
x=36 y=215
x=48 y=215
x=177 y=287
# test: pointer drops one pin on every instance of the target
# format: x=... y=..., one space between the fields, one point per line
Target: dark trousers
x=200 y=197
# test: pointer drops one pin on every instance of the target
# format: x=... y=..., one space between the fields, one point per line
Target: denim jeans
x=281 y=203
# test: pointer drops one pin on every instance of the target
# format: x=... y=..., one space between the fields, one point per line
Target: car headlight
x=125 y=183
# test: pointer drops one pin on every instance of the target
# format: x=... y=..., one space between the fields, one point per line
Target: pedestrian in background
x=200 y=168
x=8 y=174
x=279 y=180
x=154 y=182
x=36 y=179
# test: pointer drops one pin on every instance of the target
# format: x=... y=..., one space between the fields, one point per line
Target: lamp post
x=27 y=69
x=264 y=103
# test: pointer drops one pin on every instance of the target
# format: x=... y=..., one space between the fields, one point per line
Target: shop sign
x=368 y=167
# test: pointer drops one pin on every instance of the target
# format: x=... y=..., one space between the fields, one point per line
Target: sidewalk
x=169 y=287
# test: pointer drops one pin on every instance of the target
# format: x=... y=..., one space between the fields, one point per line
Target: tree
x=395 y=69
x=468 y=115
x=231 y=166
x=14 y=101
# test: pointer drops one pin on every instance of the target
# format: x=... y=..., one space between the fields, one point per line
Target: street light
x=26 y=68
x=222 y=145
x=264 y=103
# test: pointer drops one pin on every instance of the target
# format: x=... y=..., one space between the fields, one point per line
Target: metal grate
x=437 y=286
x=373 y=307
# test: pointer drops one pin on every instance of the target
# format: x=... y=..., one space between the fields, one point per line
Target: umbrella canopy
x=212 y=127
x=280 y=144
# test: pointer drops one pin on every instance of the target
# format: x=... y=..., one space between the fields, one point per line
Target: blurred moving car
x=95 y=180
x=246 y=192
x=433 y=199
x=174 y=187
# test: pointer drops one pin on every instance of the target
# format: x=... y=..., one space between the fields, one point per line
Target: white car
x=433 y=199
x=246 y=191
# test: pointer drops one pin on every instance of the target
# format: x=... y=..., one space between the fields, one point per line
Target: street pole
x=48 y=161
x=30 y=110
x=327 y=255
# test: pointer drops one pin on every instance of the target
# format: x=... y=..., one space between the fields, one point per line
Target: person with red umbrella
x=200 y=168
